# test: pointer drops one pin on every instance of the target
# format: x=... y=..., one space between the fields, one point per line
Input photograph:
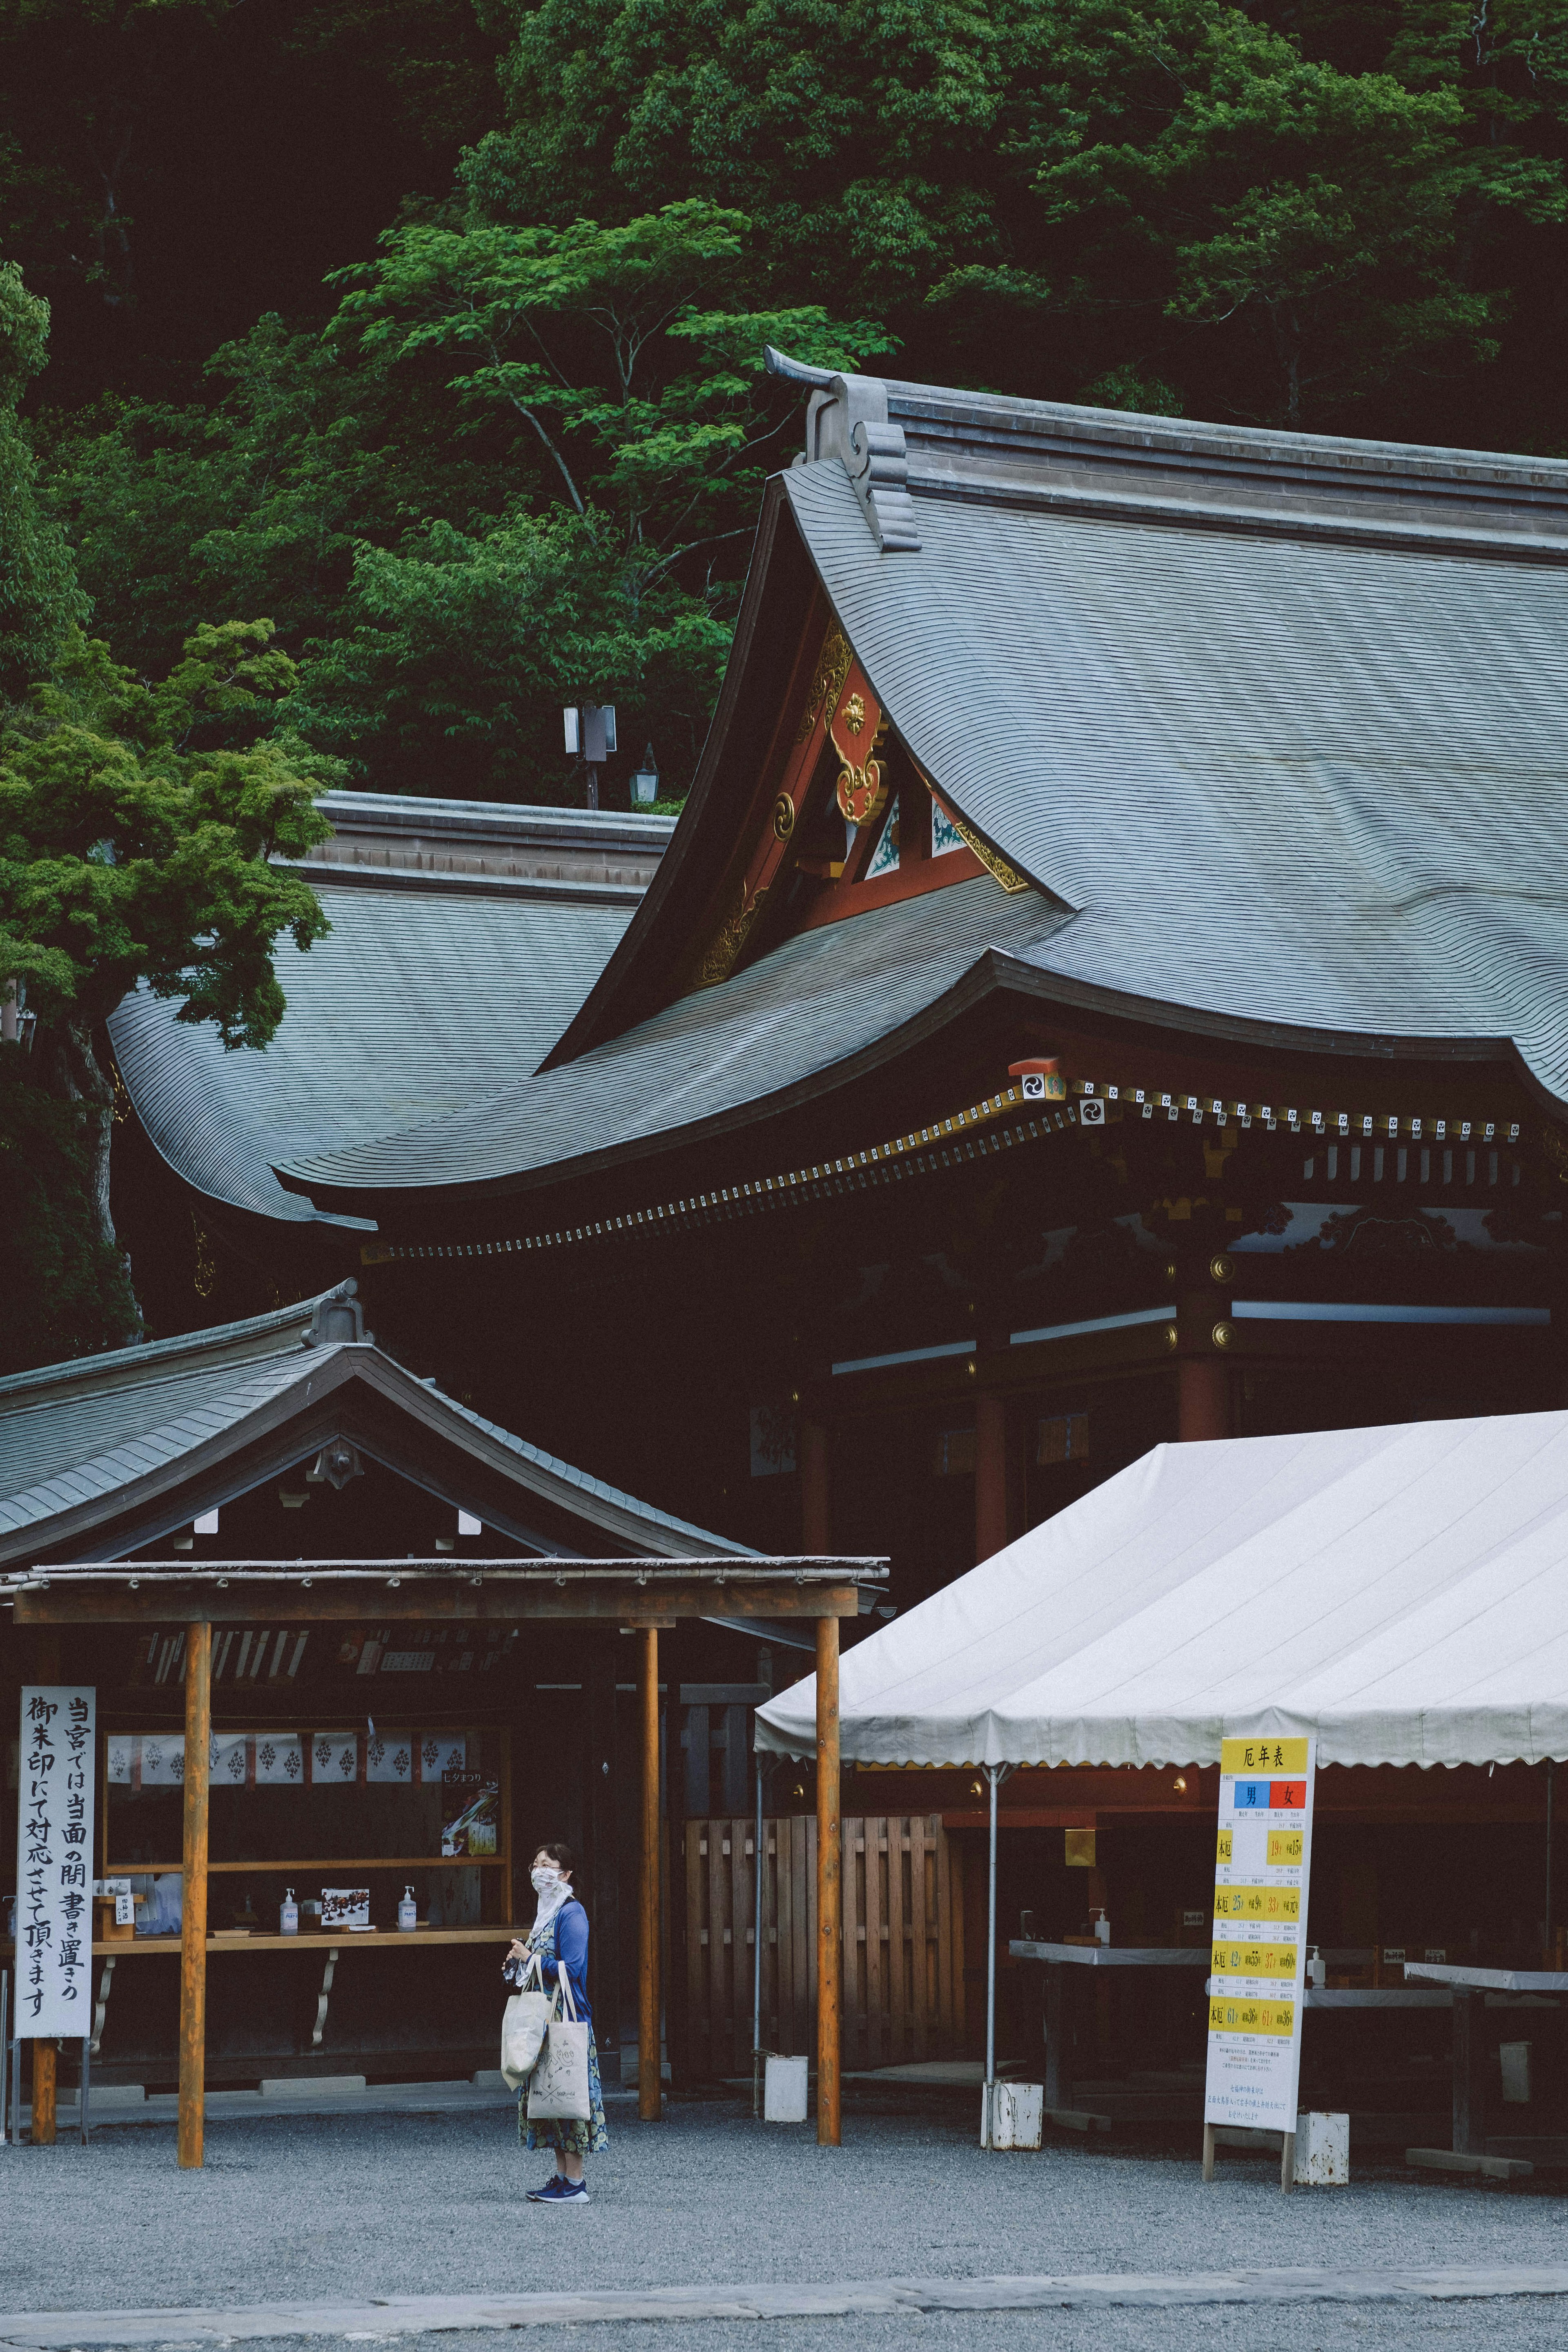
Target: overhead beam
x=292 y=1600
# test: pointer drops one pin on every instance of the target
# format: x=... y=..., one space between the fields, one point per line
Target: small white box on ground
x=784 y=2091
x=1515 y=2056
x=1017 y=2113
x=310 y=2087
x=1322 y=2151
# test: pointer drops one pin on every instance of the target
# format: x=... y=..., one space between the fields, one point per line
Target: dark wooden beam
x=167 y=1600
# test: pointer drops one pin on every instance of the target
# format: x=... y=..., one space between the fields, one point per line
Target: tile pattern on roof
x=412 y=1005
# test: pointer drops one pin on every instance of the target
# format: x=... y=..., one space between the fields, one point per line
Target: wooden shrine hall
x=1108 y=985
x=252 y=1740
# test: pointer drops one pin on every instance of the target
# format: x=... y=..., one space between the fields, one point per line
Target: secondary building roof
x=1275 y=727
x=464 y=937
x=104 y=1456
x=1397 y=1593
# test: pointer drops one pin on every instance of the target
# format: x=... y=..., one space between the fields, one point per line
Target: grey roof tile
x=412 y=1005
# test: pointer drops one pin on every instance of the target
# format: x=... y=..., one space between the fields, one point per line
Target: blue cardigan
x=571 y=1945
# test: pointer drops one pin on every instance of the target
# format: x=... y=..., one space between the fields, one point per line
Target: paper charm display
x=229 y=1759
x=121 y=1748
x=441 y=1752
x=389 y=1757
x=279 y=1760
x=335 y=1759
x=163 y=1761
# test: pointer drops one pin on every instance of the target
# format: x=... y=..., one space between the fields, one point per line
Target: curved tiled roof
x=1278 y=726
x=1289 y=782
x=83 y=1444
x=823 y=998
x=417 y=1002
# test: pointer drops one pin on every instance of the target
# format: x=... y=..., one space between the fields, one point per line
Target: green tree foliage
x=38 y=595
x=520 y=467
x=1276 y=218
x=136 y=825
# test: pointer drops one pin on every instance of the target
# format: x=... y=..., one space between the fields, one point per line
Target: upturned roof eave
x=993 y=973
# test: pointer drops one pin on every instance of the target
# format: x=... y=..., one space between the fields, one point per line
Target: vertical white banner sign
x=1262 y=1865
x=54 y=1861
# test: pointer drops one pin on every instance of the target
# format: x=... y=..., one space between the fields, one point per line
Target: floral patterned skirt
x=569 y=2138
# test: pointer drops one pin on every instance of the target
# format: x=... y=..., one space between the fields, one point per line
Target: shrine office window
x=1063 y=1438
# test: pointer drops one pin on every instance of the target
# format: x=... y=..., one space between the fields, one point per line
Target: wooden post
x=1287 y=2160
x=46 y=2060
x=990 y=1474
x=193 y=1896
x=46 y=1668
x=829 y=2121
x=1470 y=2084
x=1202 y=1398
x=1208 y=2151
x=815 y=1507
x=649 y=2072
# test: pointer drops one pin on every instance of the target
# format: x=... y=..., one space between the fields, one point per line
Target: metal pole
x=757 y=1959
x=1550 y=1774
x=993 y=1774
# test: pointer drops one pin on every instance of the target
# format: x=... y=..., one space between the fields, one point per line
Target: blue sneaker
x=537 y=2196
x=561 y=2192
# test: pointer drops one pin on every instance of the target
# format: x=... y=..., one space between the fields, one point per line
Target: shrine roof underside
x=1261 y=733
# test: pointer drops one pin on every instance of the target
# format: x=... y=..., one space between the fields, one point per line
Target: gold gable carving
x=1010 y=879
x=827 y=680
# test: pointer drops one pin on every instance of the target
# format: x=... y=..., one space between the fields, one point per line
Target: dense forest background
x=431 y=332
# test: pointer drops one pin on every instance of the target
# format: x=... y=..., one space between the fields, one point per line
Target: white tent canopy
x=1401 y=1592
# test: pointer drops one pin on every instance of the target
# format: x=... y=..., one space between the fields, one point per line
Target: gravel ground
x=418 y=2205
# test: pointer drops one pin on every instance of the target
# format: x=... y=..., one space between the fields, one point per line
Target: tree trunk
x=81 y=1080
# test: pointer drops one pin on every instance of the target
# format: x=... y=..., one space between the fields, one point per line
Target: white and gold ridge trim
x=928 y=1151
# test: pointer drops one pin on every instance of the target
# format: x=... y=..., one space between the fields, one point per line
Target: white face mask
x=545 y=1881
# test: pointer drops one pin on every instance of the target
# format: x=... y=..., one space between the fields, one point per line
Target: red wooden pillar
x=990 y=1474
x=814 y=1512
x=1205 y=1337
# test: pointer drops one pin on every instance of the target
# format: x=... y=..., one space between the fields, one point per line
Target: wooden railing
x=904 y=1940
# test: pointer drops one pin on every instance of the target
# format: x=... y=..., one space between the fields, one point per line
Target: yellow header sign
x=1287 y=1756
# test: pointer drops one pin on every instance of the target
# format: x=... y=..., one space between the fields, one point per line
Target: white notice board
x=56 y=1788
x=1262 y=1865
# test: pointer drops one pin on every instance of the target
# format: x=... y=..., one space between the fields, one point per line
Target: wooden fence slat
x=943 y=1939
x=902 y=1957
x=876 y=1948
x=740 y=1914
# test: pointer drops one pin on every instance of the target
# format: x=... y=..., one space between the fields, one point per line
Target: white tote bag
x=523 y=2027
x=558 y=2086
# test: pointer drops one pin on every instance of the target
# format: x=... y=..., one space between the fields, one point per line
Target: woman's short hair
x=559 y=1852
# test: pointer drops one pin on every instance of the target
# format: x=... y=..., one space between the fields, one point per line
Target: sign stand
x=1262 y=1867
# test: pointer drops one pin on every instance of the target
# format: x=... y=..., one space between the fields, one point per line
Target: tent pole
x=993 y=1774
x=1550 y=1775
x=757 y=1956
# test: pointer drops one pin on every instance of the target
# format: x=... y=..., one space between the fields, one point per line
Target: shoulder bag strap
x=566 y=1991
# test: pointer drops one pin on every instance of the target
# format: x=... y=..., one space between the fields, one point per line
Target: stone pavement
x=385 y=2318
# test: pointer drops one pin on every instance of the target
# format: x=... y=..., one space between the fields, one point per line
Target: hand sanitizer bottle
x=288 y=1914
x=408 y=1910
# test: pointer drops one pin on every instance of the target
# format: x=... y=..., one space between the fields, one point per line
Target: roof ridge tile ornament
x=338 y=1319
x=847 y=418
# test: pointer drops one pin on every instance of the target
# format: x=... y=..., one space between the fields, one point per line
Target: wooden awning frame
x=627 y=1591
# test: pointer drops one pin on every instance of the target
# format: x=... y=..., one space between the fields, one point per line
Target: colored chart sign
x=54 y=1863
x=1262 y=1860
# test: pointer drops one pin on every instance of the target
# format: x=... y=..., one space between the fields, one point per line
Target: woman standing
x=560 y=1933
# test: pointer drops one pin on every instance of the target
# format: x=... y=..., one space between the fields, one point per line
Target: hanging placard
x=1262 y=1865
x=54 y=1861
